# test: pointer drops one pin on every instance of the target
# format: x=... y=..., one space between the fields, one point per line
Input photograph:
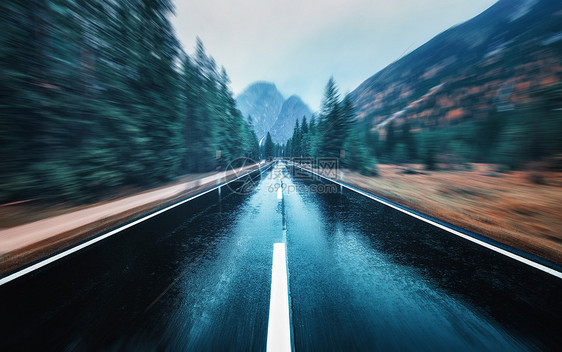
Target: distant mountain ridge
x=270 y=112
x=491 y=62
x=262 y=101
x=293 y=108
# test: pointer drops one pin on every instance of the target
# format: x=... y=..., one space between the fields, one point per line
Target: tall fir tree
x=305 y=138
x=269 y=149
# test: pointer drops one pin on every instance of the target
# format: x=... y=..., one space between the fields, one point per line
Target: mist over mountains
x=270 y=112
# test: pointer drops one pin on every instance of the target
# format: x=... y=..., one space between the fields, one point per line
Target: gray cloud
x=299 y=44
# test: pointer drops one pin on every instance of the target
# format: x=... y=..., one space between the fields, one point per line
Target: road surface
x=359 y=276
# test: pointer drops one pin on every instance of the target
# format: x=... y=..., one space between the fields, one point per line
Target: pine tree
x=99 y=94
x=305 y=138
x=269 y=149
x=297 y=140
x=329 y=141
x=313 y=137
x=357 y=156
x=334 y=124
x=252 y=141
x=390 y=140
x=289 y=148
x=409 y=141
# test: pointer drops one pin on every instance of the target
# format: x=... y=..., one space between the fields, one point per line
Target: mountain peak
x=263 y=102
x=270 y=111
x=262 y=86
x=293 y=109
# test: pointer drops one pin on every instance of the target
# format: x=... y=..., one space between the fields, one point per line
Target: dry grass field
x=508 y=207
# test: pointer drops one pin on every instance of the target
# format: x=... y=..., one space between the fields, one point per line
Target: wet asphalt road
x=362 y=276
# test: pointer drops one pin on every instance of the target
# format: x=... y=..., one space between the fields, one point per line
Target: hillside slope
x=496 y=61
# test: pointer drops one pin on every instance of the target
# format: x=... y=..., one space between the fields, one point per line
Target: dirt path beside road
x=24 y=244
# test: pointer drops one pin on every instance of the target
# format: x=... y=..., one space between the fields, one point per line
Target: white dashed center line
x=279 y=330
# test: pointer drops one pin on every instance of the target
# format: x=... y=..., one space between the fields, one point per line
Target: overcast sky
x=299 y=44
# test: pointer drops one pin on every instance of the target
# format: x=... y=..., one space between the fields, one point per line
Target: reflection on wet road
x=361 y=276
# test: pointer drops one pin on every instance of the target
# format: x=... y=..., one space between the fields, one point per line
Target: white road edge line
x=71 y=250
x=278 y=329
x=509 y=254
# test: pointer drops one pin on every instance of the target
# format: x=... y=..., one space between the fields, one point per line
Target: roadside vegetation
x=99 y=95
x=508 y=207
x=499 y=174
x=522 y=138
x=333 y=134
x=513 y=140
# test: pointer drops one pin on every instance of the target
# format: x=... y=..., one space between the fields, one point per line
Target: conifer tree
x=269 y=149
